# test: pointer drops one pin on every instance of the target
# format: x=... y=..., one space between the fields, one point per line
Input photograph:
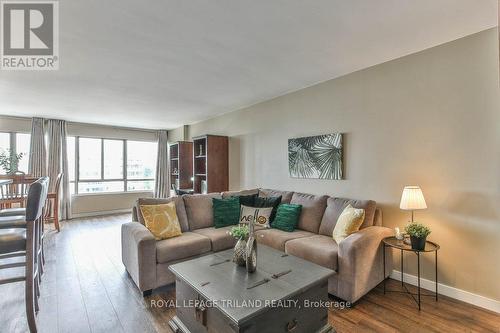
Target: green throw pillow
x=265 y=202
x=248 y=200
x=226 y=211
x=287 y=217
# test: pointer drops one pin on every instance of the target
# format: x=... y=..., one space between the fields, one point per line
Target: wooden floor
x=85 y=289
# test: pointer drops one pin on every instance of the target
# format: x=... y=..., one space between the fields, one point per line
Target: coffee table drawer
x=196 y=316
x=297 y=318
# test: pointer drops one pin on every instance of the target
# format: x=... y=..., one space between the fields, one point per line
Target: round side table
x=392 y=242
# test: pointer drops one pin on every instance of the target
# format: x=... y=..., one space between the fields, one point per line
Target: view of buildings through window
x=99 y=163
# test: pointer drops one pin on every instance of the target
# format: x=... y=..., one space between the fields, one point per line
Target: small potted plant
x=418 y=234
x=9 y=161
x=240 y=232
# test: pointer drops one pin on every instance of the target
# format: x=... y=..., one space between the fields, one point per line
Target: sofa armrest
x=361 y=262
x=365 y=240
x=139 y=254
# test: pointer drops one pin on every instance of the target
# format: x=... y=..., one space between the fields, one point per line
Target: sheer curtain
x=58 y=162
x=162 y=184
x=37 y=158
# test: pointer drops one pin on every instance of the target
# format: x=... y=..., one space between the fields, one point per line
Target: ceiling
x=162 y=64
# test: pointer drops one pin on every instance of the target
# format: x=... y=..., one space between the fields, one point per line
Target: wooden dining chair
x=26 y=242
x=16 y=191
x=52 y=206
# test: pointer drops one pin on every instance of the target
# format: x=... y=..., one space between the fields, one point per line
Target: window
x=89 y=159
x=100 y=165
x=23 y=142
x=4 y=141
x=141 y=165
x=113 y=159
x=17 y=143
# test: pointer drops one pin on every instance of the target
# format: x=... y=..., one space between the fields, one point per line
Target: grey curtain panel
x=162 y=185
x=58 y=162
x=37 y=158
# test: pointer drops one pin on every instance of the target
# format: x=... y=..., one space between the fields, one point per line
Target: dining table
x=5 y=182
x=13 y=190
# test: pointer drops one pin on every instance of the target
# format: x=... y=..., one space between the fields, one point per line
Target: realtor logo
x=30 y=35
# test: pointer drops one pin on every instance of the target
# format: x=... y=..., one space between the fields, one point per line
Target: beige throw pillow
x=258 y=216
x=348 y=223
x=161 y=220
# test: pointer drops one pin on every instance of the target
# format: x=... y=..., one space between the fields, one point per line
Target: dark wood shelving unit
x=210 y=163
x=181 y=164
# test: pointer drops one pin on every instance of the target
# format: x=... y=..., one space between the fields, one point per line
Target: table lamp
x=412 y=199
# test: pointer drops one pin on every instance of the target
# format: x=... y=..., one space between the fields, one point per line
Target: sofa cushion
x=184 y=246
x=348 y=223
x=220 y=237
x=319 y=249
x=257 y=216
x=161 y=220
x=248 y=200
x=199 y=210
x=335 y=207
x=285 y=195
x=268 y=202
x=276 y=238
x=228 y=194
x=179 y=208
x=313 y=208
x=226 y=211
x=287 y=217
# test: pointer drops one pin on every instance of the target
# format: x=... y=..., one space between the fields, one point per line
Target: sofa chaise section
x=357 y=260
x=319 y=249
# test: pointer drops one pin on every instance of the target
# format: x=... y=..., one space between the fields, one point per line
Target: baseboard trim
x=100 y=213
x=459 y=294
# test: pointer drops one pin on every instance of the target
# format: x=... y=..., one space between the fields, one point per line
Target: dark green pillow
x=226 y=211
x=265 y=202
x=248 y=200
x=287 y=217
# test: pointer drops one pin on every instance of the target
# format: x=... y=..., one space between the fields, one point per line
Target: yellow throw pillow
x=161 y=220
x=348 y=223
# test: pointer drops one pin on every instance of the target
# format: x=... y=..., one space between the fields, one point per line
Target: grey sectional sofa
x=357 y=260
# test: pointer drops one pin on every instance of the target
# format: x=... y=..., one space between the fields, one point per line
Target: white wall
x=431 y=119
x=90 y=204
x=178 y=134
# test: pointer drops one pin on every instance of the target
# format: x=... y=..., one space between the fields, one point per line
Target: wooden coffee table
x=285 y=294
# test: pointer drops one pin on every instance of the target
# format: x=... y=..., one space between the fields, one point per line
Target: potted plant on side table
x=418 y=235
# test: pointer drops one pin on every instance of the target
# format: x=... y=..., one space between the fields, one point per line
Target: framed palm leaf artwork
x=316 y=156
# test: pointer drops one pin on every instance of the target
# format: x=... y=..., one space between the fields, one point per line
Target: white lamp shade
x=412 y=198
